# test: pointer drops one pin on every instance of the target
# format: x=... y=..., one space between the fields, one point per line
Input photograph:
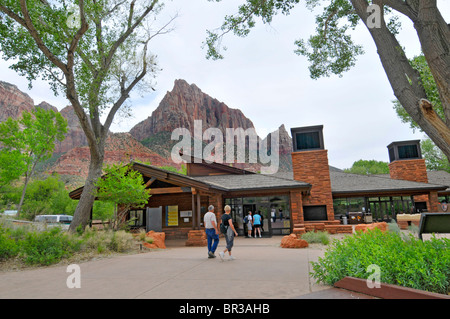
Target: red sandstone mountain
x=179 y=108
x=120 y=148
x=13 y=101
x=186 y=103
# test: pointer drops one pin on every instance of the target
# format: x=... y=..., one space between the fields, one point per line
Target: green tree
x=124 y=187
x=368 y=167
x=331 y=50
x=95 y=52
x=28 y=141
x=435 y=160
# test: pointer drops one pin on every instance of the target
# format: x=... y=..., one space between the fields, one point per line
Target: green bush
x=316 y=237
x=403 y=260
x=47 y=247
x=8 y=246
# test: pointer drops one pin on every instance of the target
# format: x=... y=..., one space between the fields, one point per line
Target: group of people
x=254 y=223
x=212 y=232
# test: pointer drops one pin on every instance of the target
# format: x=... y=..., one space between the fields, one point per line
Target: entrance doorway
x=274 y=210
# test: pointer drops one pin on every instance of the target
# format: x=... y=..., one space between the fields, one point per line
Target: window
x=404 y=150
x=407 y=151
x=136 y=218
x=306 y=141
x=307 y=138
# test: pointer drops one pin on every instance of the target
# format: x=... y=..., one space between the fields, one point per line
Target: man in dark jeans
x=212 y=231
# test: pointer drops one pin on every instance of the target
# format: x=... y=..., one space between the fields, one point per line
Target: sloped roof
x=346 y=183
x=439 y=177
x=354 y=183
x=250 y=182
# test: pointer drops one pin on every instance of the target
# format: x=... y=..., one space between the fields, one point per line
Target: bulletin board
x=172 y=215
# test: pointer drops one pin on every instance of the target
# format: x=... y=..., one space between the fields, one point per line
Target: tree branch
x=28 y=24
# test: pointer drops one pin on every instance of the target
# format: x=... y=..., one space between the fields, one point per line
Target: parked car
x=54 y=219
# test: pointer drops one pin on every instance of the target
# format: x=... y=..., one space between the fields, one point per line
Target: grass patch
x=316 y=237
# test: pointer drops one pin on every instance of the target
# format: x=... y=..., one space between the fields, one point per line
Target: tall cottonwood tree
x=95 y=52
x=331 y=49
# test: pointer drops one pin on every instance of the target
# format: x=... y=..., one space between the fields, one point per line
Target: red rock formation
x=292 y=241
x=119 y=148
x=13 y=102
x=159 y=240
x=75 y=136
x=184 y=104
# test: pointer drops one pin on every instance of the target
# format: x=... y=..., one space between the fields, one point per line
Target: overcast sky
x=263 y=77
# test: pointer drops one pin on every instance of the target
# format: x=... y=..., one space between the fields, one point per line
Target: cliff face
x=13 y=101
x=184 y=104
x=119 y=148
x=75 y=136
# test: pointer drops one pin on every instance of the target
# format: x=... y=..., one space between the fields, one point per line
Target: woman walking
x=227 y=221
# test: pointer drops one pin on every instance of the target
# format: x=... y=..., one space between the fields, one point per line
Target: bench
x=430 y=223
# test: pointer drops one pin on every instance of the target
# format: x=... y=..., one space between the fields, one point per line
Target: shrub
x=107 y=240
x=403 y=260
x=47 y=247
x=317 y=237
x=8 y=246
x=393 y=227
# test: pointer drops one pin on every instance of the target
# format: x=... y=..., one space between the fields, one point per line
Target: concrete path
x=262 y=270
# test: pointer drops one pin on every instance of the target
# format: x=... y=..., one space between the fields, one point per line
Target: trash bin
x=344 y=220
x=355 y=217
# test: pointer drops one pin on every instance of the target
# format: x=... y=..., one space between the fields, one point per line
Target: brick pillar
x=296 y=208
x=433 y=202
x=312 y=167
x=413 y=170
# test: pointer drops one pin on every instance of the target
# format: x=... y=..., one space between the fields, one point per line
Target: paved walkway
x=262 y=270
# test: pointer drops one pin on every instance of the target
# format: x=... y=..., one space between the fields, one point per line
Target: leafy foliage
x=31 y=246
x=435 y=159
x=403 y=260
x=28 y=141
x=368 y=167
x=122 y=185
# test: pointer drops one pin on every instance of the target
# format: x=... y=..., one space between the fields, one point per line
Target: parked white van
x=54 y=219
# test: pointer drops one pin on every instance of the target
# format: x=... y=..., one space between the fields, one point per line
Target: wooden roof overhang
x=383 y=193
x=183 y=184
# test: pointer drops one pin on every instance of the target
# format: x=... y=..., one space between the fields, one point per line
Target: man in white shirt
x=212 y=231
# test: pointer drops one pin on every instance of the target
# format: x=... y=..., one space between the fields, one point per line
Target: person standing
x=227 y=221
x=257 y=224
x=212 y=231
x=248 y=223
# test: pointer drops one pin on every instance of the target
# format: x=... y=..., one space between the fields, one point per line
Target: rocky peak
x=184 y=104
x=46 y=106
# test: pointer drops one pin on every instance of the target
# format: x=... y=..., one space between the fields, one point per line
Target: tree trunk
x=83 y=211
x=24 y=190
x=405 y=81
